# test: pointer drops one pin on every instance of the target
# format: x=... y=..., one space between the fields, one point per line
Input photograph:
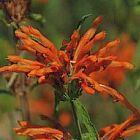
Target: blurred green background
x=59 y=19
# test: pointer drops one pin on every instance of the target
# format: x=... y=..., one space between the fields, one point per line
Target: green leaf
x=82 y=20
x=88 y=129
x=35 y=39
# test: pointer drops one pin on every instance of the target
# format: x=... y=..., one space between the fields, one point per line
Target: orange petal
x=87 y=89
x=23 y=123
x=87 y=36
x=109 y=45
x=16 y=59
x=63 y=56
x=99 y=64
x=116 y=134
x=40 y=132
x=40 y=72
x=85 y=61
x=73 y=42
x=100 y=36
x=87 y=79
x=118 y=97
x=130 y=132
x=39 y=49
x=20 y=34
x=26 y=48
x=85 y=49
x=122 y=64
x=46 y=43
x=42 y=79
x=18 y=68
x=45 y=48
x=97 y=21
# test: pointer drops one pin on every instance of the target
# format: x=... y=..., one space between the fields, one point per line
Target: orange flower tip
x=33 y=31
x=25 y=29
x=97 y=21
x=29 y=30
x=117 y=41
x=4 y=69
x=23 y=123
x=89 y=91
x=13 y=58
x=131 y=66
x=100 y=36
x=19 y=34
x=42 y=79
x=114 y=43
x=31 y=74
x=126 y=65
x=75 y=34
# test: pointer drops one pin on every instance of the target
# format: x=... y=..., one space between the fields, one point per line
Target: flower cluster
x=123 y=130
x=38 y=132
x=76 y=62
x=70 y=69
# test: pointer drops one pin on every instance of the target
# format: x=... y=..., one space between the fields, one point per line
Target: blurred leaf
x=38 y=17
x=134 y=79
x=137 y=84
x=7 y=103
x=5 y=49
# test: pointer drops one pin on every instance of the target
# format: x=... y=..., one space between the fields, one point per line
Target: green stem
x=12 y=80
x=76 y=119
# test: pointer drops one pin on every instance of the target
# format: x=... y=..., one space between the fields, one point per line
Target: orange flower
x=125 y=129
x=38 y=132
x=76 y=63
x=124 y=52
x=130 y=132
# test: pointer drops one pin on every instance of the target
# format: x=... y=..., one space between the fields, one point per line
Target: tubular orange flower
x=38 y=132
x=124 y=52
x=130 y=132
x=121 y=130
x=76 y=63
x=71 y=46
x=87 y=36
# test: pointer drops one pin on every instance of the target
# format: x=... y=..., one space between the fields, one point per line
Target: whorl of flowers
x=71 y=67
x=76 y=61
